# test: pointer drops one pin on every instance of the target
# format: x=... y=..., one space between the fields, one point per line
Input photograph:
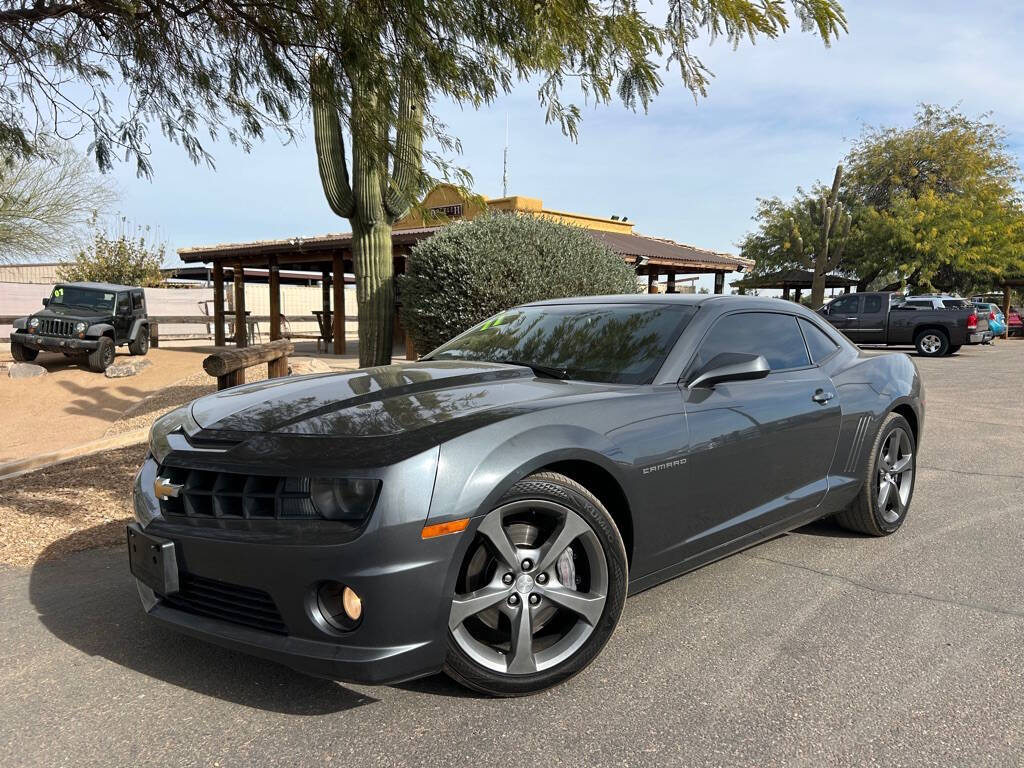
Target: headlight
x=33 y=322
x=349 y=499
x=80 y=327
x=178 y=419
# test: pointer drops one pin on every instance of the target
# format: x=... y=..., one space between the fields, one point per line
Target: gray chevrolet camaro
x=485 y=511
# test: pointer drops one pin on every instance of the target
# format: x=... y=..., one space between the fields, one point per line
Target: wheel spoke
x=493 y=530
x=572 y=527
x=589 y=605
x=898 y=497
x=892 y=448
x=903 y=464
x=883 y=494
x=464 y=606
x=521 y=659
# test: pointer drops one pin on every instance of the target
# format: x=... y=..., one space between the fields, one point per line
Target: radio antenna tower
x=504 y=172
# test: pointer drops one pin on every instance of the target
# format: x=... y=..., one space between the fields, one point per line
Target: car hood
x=444 y=396
x=72 y=313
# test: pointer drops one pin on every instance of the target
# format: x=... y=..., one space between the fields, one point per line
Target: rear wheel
x=23 y=354
x=882 y=504
x=931 y=343
x=540 y=590
x=102 y=357
x=141 y=344
x=953 y=349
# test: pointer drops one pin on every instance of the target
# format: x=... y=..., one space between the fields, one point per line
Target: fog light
x=352 y=604
x=339 y=606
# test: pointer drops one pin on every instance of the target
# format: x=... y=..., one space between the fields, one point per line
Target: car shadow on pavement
x=89 y=601
x=828 y=528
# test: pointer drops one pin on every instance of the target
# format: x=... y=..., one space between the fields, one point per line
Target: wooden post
x=785 y=292
x=797 y=299
x=846 y=289
x=325 y=297
x=154 y=334
x=671 y=287
x=720 y=282
x=228 y=366
x=218 y=304
x=275 y=299
x=1006 y=309
x=241 y=340
x=652 y=280
x=338 y=324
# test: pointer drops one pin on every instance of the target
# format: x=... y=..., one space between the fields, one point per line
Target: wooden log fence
x=228 y=365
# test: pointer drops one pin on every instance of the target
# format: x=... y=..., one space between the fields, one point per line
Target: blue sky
x=778 y=114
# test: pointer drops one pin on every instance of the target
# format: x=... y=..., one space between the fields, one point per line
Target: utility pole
x=504 y=172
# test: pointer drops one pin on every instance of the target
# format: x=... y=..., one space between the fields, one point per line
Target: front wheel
x=102 y=357
x=882 y=504
x=540 y=589
x=953 y=349
x=23 y=354
x=931 y=343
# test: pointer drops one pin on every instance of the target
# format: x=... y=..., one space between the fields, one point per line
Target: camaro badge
x=165 y=489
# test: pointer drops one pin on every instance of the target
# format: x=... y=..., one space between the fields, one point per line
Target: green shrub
x=471 y=270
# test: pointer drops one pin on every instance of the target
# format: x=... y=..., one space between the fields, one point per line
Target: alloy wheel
x=895 y=475
x=931 y=343
x=531 y=590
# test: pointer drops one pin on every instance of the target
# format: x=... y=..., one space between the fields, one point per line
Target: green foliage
x=471 y=270
x=934 y=207
x=832 y=231
x=128 y=258
x=47 y=202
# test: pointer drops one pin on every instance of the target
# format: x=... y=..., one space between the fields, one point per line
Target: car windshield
x=612 y=343
x=84 y=298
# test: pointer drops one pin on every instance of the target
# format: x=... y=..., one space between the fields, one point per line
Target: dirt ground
x=72 y=405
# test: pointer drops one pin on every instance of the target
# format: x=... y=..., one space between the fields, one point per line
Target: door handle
x=821 y=396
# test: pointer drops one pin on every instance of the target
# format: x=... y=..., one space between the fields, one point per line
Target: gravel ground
x=77 y=505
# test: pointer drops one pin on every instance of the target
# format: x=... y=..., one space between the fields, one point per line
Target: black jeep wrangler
x=85 y=320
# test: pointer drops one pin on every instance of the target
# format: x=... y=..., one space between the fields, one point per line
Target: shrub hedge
x=471 y=270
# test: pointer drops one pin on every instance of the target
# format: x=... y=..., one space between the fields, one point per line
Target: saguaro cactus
x=380 y=190
x=833 y=223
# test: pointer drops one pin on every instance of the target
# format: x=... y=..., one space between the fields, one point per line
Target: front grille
x=227 y=602
x=49 y=327
x=233 y=496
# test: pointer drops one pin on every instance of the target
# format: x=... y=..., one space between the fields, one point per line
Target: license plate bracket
x=152 y=561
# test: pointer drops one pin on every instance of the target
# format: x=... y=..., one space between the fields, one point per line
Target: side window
x=919 y=304
x=138 y=301
x=872 y=305
x=819 y=343
x=845 y=305
x=123 y=301
x=954 y=303
x=776 y=336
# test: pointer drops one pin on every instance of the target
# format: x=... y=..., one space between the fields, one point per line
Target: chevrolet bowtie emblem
x=165 y=489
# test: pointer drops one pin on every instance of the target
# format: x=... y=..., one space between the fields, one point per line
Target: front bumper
x=54 y=343
x=405 y=584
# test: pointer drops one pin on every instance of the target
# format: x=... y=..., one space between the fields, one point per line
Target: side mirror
x=730 y=366
x=46 y=302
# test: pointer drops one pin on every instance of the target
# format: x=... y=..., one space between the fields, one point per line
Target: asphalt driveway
x=817 y=648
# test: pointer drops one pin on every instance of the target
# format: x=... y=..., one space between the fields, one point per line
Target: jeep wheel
x=141 y=344
x=101 y=357
x=23 y=354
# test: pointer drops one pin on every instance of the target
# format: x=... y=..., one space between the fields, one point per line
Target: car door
x=870 y=327
x=122 y=317
x=844 y=314
x=759 y=450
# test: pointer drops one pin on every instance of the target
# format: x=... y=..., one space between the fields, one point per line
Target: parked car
x=85 y=320
x=996 y=320
x=935 y=325
x=1014 y=322
x=486 y=510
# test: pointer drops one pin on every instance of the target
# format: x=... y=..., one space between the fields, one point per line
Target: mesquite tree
x=397 y=58
x=832 y=221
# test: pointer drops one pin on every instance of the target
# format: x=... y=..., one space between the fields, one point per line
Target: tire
x=931 y=343
x=555 y=531
x=869 y=513
x=953 y=349
x=141 y=344
x=23 y=354
x=101 y=358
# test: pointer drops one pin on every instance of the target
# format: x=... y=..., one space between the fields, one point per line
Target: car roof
x=684 y=299
x=104 y=286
